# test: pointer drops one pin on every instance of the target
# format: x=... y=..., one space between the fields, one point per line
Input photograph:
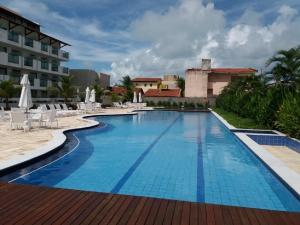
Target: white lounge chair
x=17 y=120
x=57 y=107
x=2 y=113
x=48 y=118
x=65 y=107
x=51 y=106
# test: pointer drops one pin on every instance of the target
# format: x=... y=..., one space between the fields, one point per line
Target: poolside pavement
x=16 y=143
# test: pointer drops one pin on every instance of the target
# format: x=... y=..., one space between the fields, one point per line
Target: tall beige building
x=208 y=82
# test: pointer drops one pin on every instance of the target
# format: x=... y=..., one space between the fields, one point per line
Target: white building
x=25 y=49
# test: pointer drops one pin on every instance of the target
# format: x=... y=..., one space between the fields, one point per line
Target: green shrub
x=175 y=105
x=288 y=117
x=200 y=105
x=159 y=103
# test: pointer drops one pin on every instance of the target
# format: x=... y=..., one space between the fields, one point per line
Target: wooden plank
x=185 y=217
x=177 y=213
x=193 y=214
x=153 y=212
x=202 y=218
x=86 y=209
x=37 y=206
x=169 y=213
x=98 y=209
x=129 y=211
x=161 y=212
x=210 y=219
x=138 y=210
x=114 y=200
x=142 y=217
x=31 y=205
x=117 y=211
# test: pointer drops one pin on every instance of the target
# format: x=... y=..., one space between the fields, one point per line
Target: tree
x=66 y=89
x=99 y=92
x=286 y=67
x=128 y=84
x=181 y=85
x=8 y=90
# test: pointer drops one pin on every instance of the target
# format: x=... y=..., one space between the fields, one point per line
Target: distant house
x=208 y=82
x=147 y=83
x=121 y=91
x=163 y=93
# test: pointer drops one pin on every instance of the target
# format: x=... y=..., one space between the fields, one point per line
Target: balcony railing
x=54 y=51
x=65 y=70
x=12 y=36
x=44 y=47
x=28 y=42
x=28 y=62
x=13 y=58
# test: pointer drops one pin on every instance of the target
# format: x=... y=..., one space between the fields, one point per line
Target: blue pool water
x=173 y=155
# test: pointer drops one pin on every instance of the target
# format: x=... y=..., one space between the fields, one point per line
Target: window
x=44 y=80
x=32 y=76
x=15 y=76
x=13 y=57
x=34 y=93
x=54 y=66
x=28 y=42
x=54 y=51
x=145 y=85
x=3 y=49
x=65 y=70
x=44 y=47
x=210 y=92
x=3 y=71
x=150 y=85
x=13 y=36
x=44 y=64
x=44 y=94
x=28 y=61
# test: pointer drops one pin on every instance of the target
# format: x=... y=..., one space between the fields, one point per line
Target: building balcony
x=14 y=39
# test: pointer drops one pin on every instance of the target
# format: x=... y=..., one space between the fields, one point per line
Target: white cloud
x=184 y=34
x=174 y=40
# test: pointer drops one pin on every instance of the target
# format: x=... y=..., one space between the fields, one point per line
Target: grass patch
x=237 y=121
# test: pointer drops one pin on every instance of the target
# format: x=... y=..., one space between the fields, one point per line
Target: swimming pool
x=174 y=155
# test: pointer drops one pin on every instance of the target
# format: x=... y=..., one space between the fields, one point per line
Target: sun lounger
x=48 y=118
x=18 y=120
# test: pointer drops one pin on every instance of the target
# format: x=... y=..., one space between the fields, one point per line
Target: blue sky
x=156 y=37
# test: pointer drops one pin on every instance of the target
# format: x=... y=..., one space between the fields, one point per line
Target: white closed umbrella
x=93 y=96
x=134 y=97
x=25 y=101
x=140 y=97
x=87 y=95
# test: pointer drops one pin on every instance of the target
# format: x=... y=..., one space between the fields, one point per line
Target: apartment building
x=25 y=49
x=209 y=82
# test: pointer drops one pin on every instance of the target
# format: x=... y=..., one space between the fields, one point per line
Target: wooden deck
x=23 y=204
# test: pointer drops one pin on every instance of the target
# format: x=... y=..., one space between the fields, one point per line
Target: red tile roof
x=227 y=70
x=119 y=90
x=163 y=93
x=146 y=79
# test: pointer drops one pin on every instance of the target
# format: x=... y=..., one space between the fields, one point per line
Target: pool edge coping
x=58 y=140
x=287 y=175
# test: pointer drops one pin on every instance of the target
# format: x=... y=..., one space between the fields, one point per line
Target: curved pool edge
x=289 y=177
x=58 y=140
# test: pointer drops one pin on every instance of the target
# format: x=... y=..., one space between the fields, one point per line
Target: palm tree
x=128 y=84
x=287 y=66
x=67 y=90
x=7 y=90
x=99 y=91
x=181 y=85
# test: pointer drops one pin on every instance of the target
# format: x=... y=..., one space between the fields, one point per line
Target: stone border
x=58 y=140
x=287 y=175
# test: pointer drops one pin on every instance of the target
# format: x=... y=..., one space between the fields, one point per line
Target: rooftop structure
x=163 y=93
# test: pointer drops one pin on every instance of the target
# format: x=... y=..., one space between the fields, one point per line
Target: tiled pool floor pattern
x=189 y=156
